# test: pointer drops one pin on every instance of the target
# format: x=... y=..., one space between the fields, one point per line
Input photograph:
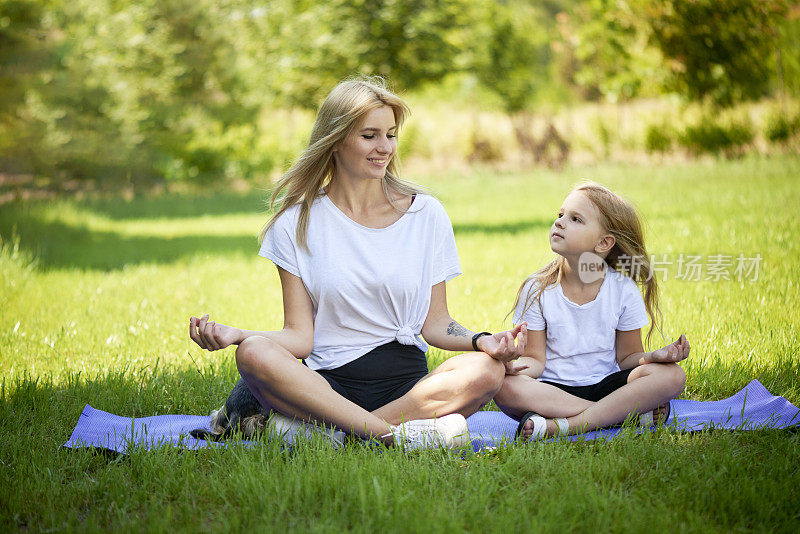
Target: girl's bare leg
x=283 y=384
x=462 y=384
x=521 y=394
x=649 y=387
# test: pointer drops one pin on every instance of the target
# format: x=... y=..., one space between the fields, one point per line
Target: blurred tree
x=718 y=50
x=513 y=53
x=310 y=46
x=24 y=51
x=787 y=54
x=20 y=51
x=142 y=91
x=605 y=45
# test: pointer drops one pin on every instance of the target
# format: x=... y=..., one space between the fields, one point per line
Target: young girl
x=584 y=313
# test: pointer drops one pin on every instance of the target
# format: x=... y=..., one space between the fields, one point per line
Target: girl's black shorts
x=380 y=376
x=595 y=392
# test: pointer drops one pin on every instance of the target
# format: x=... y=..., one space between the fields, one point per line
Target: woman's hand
x=213 y=336
x=505 y=346
x=674 y=352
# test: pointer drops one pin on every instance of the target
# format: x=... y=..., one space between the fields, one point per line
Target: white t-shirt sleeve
x=533 y=314
x=280 y=245
x=446 y=265
x=633 y=314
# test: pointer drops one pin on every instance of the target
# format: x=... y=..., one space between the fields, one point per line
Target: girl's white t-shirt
x=581 y=338
x=368 y=286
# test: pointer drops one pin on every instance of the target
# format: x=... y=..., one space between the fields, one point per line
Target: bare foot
x=527 y=429
x=661 y=414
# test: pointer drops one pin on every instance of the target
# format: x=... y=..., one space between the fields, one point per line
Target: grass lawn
x=95 y=297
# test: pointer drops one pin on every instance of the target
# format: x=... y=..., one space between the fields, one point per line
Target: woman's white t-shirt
x=368 y=286
x=581 y=338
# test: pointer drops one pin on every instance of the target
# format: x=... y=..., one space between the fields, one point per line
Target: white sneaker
x=448 y=432
x=293 y=430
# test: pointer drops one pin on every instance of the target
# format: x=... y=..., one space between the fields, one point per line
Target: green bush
x=780 y=127
x=741 y=132
x=704 y=137
x=659 y=138
x=712 y=136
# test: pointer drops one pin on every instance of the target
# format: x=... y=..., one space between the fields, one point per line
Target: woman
x=363 y=258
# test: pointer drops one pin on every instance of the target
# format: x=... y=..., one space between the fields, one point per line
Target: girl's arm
x=630 y=351
x=532 y=362
x=442 y=331
x=296 y=336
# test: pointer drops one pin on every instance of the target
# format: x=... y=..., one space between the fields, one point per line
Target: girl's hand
x=212 y=336
x=505 y=346
x=674 y=352
x=513 y=368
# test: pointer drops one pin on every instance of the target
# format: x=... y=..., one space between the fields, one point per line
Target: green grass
x=94 y=304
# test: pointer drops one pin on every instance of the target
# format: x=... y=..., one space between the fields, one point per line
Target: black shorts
x=595 y=392
x=380 y=376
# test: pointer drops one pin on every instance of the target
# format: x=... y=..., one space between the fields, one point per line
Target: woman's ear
x=605 y=244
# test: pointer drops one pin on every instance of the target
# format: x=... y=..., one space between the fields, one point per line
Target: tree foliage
x=117 y=90
x=607 y=42
x=719 y=50
x=514 y=54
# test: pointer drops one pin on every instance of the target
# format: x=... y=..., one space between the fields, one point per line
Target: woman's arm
x=296 y=336
x=630 y=351
x=442 y=331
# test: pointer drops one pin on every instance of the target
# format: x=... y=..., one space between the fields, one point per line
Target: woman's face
x=366 y=152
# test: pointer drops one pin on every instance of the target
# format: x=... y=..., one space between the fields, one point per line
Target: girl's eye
x=576 y=219
x=391 y=136
x=368 y=136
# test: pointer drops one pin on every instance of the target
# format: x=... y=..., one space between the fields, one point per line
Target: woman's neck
x=365 y=202
x=356 y=196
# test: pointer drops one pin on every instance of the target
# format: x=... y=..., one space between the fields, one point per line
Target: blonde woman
x=363 y=259
x=585 y=312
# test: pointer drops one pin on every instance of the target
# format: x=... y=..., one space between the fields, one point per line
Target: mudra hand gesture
x=674 y=352
x=212 y=336
x=505 y=346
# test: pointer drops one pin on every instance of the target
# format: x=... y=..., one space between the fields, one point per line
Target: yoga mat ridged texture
x=751 y=408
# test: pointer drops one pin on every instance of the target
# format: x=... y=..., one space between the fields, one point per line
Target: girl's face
x=577 y=228
x=369 y=148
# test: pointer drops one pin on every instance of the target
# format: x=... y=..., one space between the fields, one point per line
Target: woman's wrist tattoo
x=455 y=329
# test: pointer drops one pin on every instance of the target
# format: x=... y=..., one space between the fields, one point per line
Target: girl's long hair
x=628 y=256
x=339 y=114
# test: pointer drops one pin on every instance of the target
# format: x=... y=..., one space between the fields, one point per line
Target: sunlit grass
x=95 y=297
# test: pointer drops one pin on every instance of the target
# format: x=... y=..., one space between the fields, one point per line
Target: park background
x=139 y=141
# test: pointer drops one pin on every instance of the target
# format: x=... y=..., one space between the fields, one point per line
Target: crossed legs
x=649 y=387
x=280 y=382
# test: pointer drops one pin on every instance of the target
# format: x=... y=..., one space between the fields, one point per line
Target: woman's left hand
x=505 y=346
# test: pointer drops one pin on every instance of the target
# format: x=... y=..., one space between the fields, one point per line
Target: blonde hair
x=618 y=218
x=338 y=116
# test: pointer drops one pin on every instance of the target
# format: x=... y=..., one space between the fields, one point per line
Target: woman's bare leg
x=283 y=384
x=462 y=384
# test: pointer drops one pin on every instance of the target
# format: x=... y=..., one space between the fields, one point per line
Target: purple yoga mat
x=751 y=408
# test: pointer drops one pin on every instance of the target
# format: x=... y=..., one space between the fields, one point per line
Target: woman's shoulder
x=291 y=215
x=428 y=205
